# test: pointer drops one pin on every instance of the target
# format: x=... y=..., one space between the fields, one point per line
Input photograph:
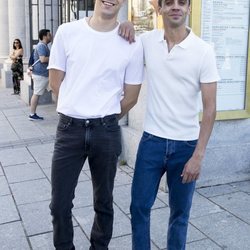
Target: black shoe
x=35 y=117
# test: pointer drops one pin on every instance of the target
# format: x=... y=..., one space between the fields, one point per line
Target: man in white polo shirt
x=179 y=65
x=96 y=75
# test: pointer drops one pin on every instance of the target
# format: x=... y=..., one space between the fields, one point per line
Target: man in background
x=40 y=73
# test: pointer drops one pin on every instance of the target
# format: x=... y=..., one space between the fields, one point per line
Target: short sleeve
x=57 y=58
x=42 y=50
x=135 y=69
x=209 y=72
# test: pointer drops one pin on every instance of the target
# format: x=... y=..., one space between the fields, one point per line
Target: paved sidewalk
x=220 y=217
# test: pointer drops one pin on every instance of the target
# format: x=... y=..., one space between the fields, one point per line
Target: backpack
x=31 y=63
x=31 y=59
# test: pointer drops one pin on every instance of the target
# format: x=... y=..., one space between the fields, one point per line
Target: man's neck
x=44 y=41
x=175 y=36
x=102 y=25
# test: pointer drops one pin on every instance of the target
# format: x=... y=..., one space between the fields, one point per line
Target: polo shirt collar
x=185 y=43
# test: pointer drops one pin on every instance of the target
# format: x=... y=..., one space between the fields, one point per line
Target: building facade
x=227 y=158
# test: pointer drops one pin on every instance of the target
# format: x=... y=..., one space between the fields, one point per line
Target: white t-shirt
x=174 y=80
x=97 y=64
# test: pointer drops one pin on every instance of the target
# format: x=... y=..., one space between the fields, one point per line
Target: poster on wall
x=144 y=15
x=225 y=25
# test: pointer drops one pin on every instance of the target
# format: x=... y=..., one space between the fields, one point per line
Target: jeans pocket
x=146 y=136
x=112 y=125
x=63 y=124
x=191 y=143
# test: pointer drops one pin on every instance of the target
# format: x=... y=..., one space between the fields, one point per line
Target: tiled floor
x=220 y=217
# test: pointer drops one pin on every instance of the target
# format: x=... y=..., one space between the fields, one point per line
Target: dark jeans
x=76 y=139
x=16 y=85
x=155 y=157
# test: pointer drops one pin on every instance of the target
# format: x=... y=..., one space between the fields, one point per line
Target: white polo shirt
x=174 y=80
x=97 y=64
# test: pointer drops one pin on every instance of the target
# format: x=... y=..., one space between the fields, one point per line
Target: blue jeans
x=156 y=156
x=76 y=139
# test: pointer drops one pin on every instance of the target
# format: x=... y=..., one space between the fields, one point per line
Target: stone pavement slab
x=122 y=178
x=13 y=112
x=12 y=237
x=10 y=102
x=127 y=169
x=242 y=186
x=124 y=243
x=235 y=203
x=83 y=177
x=36 y=217
x=45 y=241
x=31 y=191
x=217 y=190
x=83 y=194
x=85 y=216
x=225 y=229
x=42 y=153
x=23 y=172
x=4 y=187
x=25 y=128
x=202 y=206
x=1 y=170
x=205 y=244
x=7 y=133
x=8 y=210
x=159 y=223
x=122 y=198
x=47 y=172
x=9 y=157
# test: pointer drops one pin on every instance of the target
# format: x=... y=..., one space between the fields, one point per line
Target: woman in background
x=17 y=65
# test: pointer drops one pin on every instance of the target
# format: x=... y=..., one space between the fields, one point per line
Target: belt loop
x=70 y=120
x=103 y=120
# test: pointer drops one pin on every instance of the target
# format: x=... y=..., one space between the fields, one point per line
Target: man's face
x=174 y=12
x=49 y=37
x=108 y=9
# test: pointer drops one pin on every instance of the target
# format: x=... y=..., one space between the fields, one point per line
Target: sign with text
x=225 y=25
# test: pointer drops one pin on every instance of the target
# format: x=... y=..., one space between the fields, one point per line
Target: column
x=17 y=21
x=4 y=31
x=55 y=11
x=17 y=29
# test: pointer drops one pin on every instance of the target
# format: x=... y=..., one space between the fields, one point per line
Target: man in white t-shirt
x=179 y=65
x=96 y=75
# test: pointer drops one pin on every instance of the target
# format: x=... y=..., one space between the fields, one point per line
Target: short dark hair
x=160 y=2
x=42 y=33
x=18 y=40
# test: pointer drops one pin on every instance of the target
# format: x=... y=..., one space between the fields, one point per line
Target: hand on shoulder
x=127 y=31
